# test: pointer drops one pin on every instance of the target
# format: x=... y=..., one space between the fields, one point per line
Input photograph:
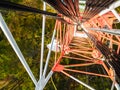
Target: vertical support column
x=49 y=53
x=14 y=45
x=42 y=80
x=42 y=44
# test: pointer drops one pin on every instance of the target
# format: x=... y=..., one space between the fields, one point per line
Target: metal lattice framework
x=83 y=32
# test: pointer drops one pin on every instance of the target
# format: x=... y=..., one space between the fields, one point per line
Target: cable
x=69 y=8
x=94 y=7
x=19 y=7
x=53 y=84
x=112 y=57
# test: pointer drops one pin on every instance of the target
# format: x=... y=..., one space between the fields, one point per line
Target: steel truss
x=96 y=28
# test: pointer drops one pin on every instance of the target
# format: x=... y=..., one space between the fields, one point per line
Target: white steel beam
x=14 y=45
x=110 y=31
x=42 y=43
x=82 y=83
x=111 y=7
x=49 y=53
x=116 y=14
x=117 y=86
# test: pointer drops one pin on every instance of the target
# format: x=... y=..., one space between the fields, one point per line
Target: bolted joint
x=58 y=68
x=98 y=61
x=66 y=49
x=96 y=54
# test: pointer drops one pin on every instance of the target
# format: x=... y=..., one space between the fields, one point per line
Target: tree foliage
x=26 y=29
